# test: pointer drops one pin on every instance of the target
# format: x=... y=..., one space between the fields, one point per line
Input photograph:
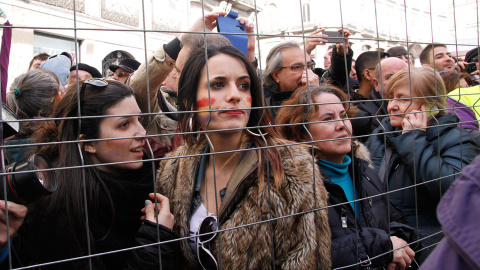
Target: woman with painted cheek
x=419 y=144
x=230 y=179
x=97 y=207
x=369 y=227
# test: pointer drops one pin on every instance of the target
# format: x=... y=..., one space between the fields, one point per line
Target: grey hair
x=195 y=41
x=275 y=62
x=35 y=94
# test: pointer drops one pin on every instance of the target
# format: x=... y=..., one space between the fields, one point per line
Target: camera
x=470 y=67
x=25 y=183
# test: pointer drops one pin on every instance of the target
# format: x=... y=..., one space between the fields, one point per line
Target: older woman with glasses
x=237 y=204
x=418 y=151
x=366 y=229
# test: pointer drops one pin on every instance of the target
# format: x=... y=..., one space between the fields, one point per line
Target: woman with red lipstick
x=103 y=182
x=368 y=231
x=419 y=150
x=225 y=186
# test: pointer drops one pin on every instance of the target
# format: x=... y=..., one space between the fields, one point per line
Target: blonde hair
x=425 y=84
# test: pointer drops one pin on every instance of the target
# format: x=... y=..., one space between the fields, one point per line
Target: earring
x=190 y=128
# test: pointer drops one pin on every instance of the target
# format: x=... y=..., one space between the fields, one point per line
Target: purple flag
x=5 y=58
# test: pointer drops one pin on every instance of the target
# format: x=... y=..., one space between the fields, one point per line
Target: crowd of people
x=191 y=160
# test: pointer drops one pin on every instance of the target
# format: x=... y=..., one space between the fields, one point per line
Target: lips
x=233 y=112
x=138 y=151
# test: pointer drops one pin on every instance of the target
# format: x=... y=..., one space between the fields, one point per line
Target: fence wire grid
x=102 y=33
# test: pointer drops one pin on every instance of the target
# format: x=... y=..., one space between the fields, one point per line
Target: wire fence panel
x=182 y=134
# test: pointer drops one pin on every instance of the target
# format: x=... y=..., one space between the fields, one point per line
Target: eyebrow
x=296 y=64
x=330 y=113
x=447 y=53
x=222 y=78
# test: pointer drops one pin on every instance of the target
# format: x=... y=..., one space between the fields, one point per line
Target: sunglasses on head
x=207 y=232
x=94 y=82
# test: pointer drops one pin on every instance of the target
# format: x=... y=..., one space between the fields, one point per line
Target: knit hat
x=93 y=71
x=128 y=64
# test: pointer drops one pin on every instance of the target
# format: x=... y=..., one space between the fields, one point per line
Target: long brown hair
x=259 y=117
x=68 y=200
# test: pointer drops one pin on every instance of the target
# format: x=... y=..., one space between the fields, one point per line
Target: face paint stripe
x=204 y=102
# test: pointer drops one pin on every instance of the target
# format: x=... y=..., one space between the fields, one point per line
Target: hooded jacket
x=356 y=240
x=299 y=241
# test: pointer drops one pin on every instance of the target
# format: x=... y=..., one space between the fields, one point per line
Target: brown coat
x=300 y=241
x=159 y=65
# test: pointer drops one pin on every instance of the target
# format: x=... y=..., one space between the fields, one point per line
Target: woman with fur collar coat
x=367 y=231
x=236 y=203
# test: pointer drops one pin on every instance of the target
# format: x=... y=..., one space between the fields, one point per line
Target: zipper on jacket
x=344 y=218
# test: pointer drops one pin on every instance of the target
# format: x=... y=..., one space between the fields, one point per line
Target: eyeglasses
x=207 y=231
x=301 y=67
x=95 y=82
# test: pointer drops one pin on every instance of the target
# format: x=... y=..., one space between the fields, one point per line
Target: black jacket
x=370 y=112
x=368 y=236
x=45 y=237
x=418 y=157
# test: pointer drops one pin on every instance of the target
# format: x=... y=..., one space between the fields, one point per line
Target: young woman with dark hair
x=102 y=182
x=366 y=229
x=234 y=174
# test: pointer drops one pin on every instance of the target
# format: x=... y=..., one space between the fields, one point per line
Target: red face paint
x=204 y=103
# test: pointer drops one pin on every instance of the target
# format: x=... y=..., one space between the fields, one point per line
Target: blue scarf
x=338 y=173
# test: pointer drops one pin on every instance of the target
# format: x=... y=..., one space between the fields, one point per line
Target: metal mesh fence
x=103 y=33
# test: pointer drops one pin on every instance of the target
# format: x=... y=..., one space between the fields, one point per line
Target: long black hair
x=259 y=116
x=67 y=203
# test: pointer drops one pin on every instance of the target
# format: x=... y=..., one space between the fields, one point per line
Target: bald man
x=375 y=106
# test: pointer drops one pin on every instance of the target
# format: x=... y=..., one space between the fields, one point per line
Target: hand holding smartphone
x=333 y=36
x=229 y=24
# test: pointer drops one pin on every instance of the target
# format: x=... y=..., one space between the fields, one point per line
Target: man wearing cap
x=401 y=53
x=85 y=72
x=124 y=69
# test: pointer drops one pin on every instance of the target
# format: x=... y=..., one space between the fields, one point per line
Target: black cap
x=93 y=71
x=397 y=51
x=128 y=64
x=471 y=54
